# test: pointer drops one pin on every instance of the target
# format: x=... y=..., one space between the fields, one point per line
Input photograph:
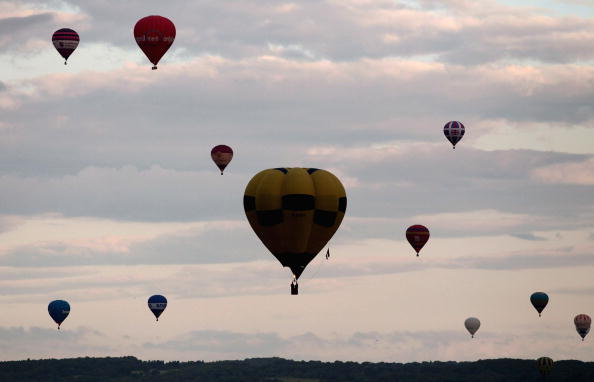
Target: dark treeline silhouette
x=281 y=370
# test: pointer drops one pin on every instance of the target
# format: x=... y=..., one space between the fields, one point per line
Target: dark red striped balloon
x=417 y=236
x=65 y=41
x=221 y=155
x=154 y=35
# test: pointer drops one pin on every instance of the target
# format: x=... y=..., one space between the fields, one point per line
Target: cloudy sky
x=108 y=194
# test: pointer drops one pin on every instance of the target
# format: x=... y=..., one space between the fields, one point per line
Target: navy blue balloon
x=157 y=304
x=539 y=300
x=58 y=310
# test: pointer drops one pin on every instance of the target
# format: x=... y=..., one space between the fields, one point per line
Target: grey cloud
x=308 y=345
x=586 y=291
x=18 y=343
x=16 y=31
x=264 y=277
x=404 y=346
x=124 y=154
x=325 y=29
x=528 y=236
x=500 y=262
x=209 y=246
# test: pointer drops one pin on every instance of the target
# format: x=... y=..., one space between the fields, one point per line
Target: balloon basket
x=294 y=289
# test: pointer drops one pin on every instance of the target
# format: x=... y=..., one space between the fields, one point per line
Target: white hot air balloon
x=472 y=324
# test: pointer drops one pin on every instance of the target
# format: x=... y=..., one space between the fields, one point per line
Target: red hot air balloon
x=582 y=324
x=65 y=41
x=417 y=235
x=154 y=35
x=221 y=155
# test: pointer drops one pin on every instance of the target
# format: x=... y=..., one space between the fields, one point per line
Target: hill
x=281 y=370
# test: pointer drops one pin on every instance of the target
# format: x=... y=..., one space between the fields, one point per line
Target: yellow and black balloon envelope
x=295 y=212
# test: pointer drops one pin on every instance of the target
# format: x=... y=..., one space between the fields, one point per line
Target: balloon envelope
x=295 y=212
x=65 y=41
x=154 y=35
x=539 y=300
x=454 y=131
x=157 y=304
x=58 y=311
x=221 y=155
x=545 y=365
x=582 y=324
x=417 y=235
x=472 y=324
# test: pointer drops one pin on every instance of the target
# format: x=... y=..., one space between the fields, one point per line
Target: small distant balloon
x=154 y=35
x=539 y=300
x=582 y=324
x=157 y=305
x=454 y=131
x=58 y=311
x=472 y=324
x=544 y=365
x=65 y=41
x=221 y=155
x=417 y=235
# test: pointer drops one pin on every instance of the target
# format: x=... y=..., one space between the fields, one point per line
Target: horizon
x=109 y=194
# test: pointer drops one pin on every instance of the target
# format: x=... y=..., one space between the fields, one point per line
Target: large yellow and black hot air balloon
x=294 y=211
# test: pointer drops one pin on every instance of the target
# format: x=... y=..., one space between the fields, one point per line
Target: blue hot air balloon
x=58 y=310
x=157 y=304
x=539 y=300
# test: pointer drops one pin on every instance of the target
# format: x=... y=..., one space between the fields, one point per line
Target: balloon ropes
x=65 y=41
x=582 y=324
x=58 y=311
x=472 y=324
x=294 y=212
x=157 y=305
x=454 y=131
x=539 y=300
x=417 y=235
x=154 y=35
x=221 y=155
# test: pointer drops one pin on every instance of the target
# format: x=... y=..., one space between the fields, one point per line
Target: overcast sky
x=108 y=194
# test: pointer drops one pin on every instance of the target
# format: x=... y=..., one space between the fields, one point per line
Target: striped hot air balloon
x=295 y=212
x=544 y=365
x=65 y=41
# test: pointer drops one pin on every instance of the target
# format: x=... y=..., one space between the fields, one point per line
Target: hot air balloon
x=545 y=365
x=58 y=310
x=154 y=35
x=472 y=324
x=157 y=305
x=582 y=324
x=539 y=300
x=454 y=131
x=417 y=235
x=221 y=155
x=295 y=212
x=65 y=41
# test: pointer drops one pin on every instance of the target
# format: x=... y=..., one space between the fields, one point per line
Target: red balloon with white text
x=154 y=35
